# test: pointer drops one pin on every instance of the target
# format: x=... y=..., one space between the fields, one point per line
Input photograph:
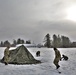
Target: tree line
x=15 y=42
x=58 y=41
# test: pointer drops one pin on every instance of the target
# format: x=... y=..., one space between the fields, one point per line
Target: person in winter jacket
x=57 y=58
x=38 y=53
x=6 y=55
x=64 y=57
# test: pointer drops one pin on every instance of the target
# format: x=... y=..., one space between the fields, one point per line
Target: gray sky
x=33 y=19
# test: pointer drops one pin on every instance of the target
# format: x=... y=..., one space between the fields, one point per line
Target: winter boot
x=6 y=63
x=57 y=67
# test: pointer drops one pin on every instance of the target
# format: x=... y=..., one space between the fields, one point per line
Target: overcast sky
x=33 y=19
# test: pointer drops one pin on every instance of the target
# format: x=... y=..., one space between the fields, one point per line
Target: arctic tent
x=21 y=55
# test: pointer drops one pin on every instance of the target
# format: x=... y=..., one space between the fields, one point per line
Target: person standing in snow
x=6 y=55
x=57 y=58
x=38 y=53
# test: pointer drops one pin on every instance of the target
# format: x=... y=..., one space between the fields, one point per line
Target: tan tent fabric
x=21 y=55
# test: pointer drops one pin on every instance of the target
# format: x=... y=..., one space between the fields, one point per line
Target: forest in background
x=56 y=41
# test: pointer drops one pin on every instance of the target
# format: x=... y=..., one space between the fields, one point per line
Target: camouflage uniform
x=6 y=56
x=57 y=58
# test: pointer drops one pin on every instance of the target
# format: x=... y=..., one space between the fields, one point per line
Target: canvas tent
x=21 y=55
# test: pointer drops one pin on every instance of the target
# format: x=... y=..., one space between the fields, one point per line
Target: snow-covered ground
x=46 y=67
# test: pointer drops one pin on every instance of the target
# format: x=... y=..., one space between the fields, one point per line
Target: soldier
x=57 y=58
x=6 y=55
x=38 y=53
x=64 y=57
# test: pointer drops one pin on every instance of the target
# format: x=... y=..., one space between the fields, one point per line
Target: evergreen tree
x=19 y=41
x=2 y=44
x=7 y=43
x=28 y=42
x=14 y=43
x=59 y=41
x=23 y=41
x=65 y=41
x=47 y=41
x=55 y=41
